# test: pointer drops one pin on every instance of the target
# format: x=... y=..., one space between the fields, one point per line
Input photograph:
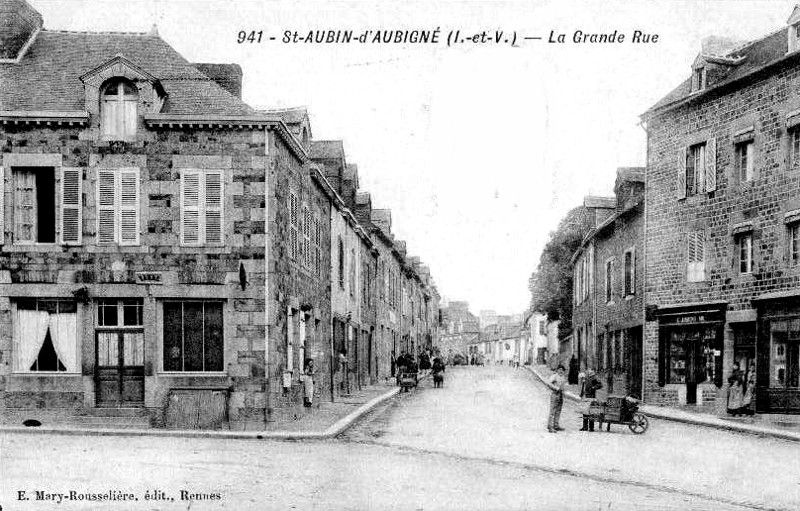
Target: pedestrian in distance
x=557 y=382
x=308 y=383
x=736 y=391
x=573 y=370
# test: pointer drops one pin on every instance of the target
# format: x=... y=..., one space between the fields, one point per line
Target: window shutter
x=190 y=207
x=129 y=206
x=682 y=175
x=213 y=210
x=2 y=205
x=71 y=205
x=711 y=164
x=306 y=237
x=662 y=359
x=293 y=226
x=106 y=206
x=701 y=256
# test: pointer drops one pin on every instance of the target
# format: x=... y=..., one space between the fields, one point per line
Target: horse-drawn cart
x=618 y=410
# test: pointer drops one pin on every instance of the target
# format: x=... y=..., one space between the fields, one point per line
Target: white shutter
x=682 y=175
x=2 y=205
x=129 y=206
x=293 y=226
x=711 y=164
x=190 y=207
x=213 y=206
x=106 y=206
x=71 y=205
x=128 y=119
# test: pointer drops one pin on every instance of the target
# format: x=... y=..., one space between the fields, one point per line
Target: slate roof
x=755 y=56
x=295 y=115
x=327 y=149
x=47 y=77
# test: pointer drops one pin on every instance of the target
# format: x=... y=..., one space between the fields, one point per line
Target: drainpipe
x=643 y=376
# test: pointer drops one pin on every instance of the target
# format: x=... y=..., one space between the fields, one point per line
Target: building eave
x=171 y=121
x=71 y=118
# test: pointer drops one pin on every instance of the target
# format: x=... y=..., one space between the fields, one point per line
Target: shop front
x=778 y=355
x=691 y=351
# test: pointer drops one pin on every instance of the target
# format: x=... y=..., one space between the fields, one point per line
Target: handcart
x=407 y=381
x=618 y=410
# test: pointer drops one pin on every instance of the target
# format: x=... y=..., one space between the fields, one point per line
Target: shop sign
x=148 y=277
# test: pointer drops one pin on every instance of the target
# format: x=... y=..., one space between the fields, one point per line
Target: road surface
x=478 y=443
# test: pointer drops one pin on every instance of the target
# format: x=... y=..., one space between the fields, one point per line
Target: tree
x=551 y=283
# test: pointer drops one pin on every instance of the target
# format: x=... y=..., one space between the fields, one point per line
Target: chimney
x=350 y=185
x=363 y=210
x=382 y=219
x=19 y=22
x=227 y=76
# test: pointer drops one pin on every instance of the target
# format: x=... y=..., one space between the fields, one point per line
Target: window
x=34 y=204
x=609 y=281
x=201 y=207
x=118 y=206
x=745 y=249
x=696 y=169
x=630 y=272
x=115 y=313
x=601 y=353
x=794 y=146
x=696 y=264
x=699 y=79
x=341 y=263
x=317 y=233
x=352 y=280
x=118 y=110
x=192 y=336
x=542 y=328
x=46 y=336
x=784 y=367
x=793 y=235
x=744 y=161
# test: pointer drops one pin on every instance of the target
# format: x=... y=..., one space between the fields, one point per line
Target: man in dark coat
x=572 y=376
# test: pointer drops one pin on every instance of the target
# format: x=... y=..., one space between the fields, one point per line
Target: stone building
x=608 y=313
x=459 y=329
x=722 y=218
x=165 y=248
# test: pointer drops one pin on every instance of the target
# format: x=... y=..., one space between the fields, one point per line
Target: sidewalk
x=786 y=427
x=325 y=421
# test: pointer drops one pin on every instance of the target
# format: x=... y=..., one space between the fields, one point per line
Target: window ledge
x=630 y=297
x=37 y=374
x=192 y=374
x=34 y=247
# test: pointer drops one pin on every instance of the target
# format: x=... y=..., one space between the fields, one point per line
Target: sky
x=478 y=149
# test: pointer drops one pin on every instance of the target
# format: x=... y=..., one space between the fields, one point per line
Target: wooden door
x=120 y=368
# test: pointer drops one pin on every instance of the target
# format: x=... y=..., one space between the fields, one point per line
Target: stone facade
x=707 y=305
x=608 y=311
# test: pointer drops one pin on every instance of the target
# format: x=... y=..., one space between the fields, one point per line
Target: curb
x=333 y=431
x=652 y=411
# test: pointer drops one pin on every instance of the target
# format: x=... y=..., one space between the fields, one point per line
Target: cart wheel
x=639 y=423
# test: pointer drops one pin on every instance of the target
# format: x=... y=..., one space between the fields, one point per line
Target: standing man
x=557 y=381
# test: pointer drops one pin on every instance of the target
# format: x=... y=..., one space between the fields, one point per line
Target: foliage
x=551 y=283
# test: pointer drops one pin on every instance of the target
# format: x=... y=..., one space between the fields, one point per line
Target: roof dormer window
x=699 y=79
x=118 y=106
